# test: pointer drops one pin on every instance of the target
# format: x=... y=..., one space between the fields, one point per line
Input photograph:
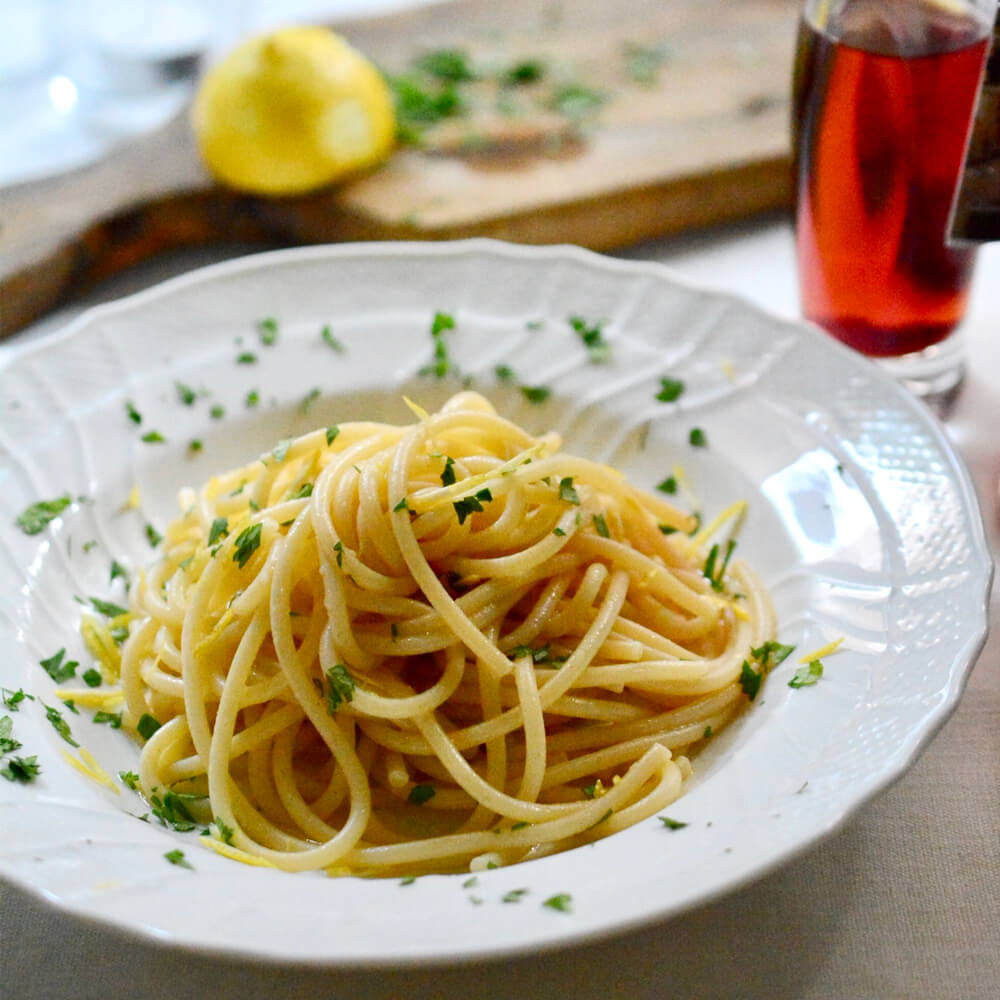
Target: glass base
x=935 y=374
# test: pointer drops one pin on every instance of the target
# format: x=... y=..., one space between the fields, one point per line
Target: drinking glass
x=884 y=94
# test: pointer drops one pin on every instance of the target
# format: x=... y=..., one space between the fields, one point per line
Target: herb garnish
x=268 y=330
x=247 y=542
x=219 y=529
x=448 y=472
x=217 y=412
x=59 y=724
x=112 y=719
x=561 y=901
x=92 y=677
x=57 y=669
x=185 y=393
x=153 y=536
x=129 y=778
x=601 y=526
x=442 y=363
x=504 y=373
x=252 y=399
x=133 y=414
x=13 y=699
x=33 y=519
x=341 y=687
x=672 y=824
x=535 y=393
x=567 y=491
x=514 y=896
x=147 y=725
x=171 y=809
x=224 y=829
x=450 y=65
x=153 y=437
x=419 y=794
x=108 y=608
x=713 y=573
x=331 y=433
x=23 y=769
x=246 y=358
x=470 y=504
x=697 y=438
x=176 y=857
x=807 y=675
x=593 y=339
x=670 y=389
x=330 y=340
x=669 y=485
x=7 y=742
x=750 y=680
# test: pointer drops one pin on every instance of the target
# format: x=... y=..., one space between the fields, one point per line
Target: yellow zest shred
x=818 y=654
x=89 y=698
x=87 y=764
x=100 y=645
x=235 y=854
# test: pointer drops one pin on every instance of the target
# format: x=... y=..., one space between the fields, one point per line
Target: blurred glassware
x=883 y=99
x=78 y=76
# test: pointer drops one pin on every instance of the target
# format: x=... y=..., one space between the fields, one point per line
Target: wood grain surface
x=701 y=140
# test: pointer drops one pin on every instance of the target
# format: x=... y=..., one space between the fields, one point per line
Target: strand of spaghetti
x=534 y=729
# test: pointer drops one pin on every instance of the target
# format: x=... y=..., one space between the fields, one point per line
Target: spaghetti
x=438 y=647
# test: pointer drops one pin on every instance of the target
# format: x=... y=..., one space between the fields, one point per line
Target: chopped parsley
x=267 y=329
x=471 y=504
x=118 y=570
x=514 y=896
x=538 y=654
x=247 y=542
x=402 y=505
x=714 y=573
x=176 y=857
x=217 y=412
x=308 y=399
x=561 y=901
x=592 y=336
x=112 y=719
x=750 y=680
x=280 y=452
x=697 y=438
x=23 y=769
x=153 y=437
x=59 y=724
x=535 y=393
x=442 y=364
x=644 y=62
x=669 y=485
x=601 y=526
x=147 y=725
x=450 y=65
x=92 y=678
x=567 y=491
x=13 y=699
x=670 y=389
x=408 y=880
x=246 y=358
x=419 y=794
x=526 y=71
x=225 y=831
x=504 y=373
x=769 y=654
x=185 y=393
x=252 y=399
x=129 y=779
x=419 y=106
x=341 y=687
x=133 y=414
x=7 y=742
x=59 y=668
x=33 y=519
x=338 y=547
x=153 y=536
x=219 y=529
x=672 y=824
x=108 y=608
x=304 y=491
x=330 y=340
x=574 y=100
x=807 y=675
x=195 y=445
x=448 y=473
x=172 y=811
x=331 y=433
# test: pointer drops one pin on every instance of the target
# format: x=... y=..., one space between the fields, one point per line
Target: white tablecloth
x=903 y=902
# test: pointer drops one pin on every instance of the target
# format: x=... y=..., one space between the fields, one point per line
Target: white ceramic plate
x=862 y=522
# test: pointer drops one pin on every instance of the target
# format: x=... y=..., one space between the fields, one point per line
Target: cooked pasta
x=429 y=648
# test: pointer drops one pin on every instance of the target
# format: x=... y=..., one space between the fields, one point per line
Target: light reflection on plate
x=861 y=520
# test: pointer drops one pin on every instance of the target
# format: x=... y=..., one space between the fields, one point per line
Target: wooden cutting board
x=694 y=135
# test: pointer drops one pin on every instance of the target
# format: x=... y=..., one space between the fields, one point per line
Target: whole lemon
x=291 y=111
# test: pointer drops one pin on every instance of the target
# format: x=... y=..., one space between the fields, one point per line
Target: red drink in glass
x=883 y=104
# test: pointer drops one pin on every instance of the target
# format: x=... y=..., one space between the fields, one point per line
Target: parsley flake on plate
x=59 y=668
x=807 y=675
x=561 y=901
x=22 y=769
x=176 y=857
x=32 y=520
x=670 y=389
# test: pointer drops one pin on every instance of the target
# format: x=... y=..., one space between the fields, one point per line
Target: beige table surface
x=902 y=902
